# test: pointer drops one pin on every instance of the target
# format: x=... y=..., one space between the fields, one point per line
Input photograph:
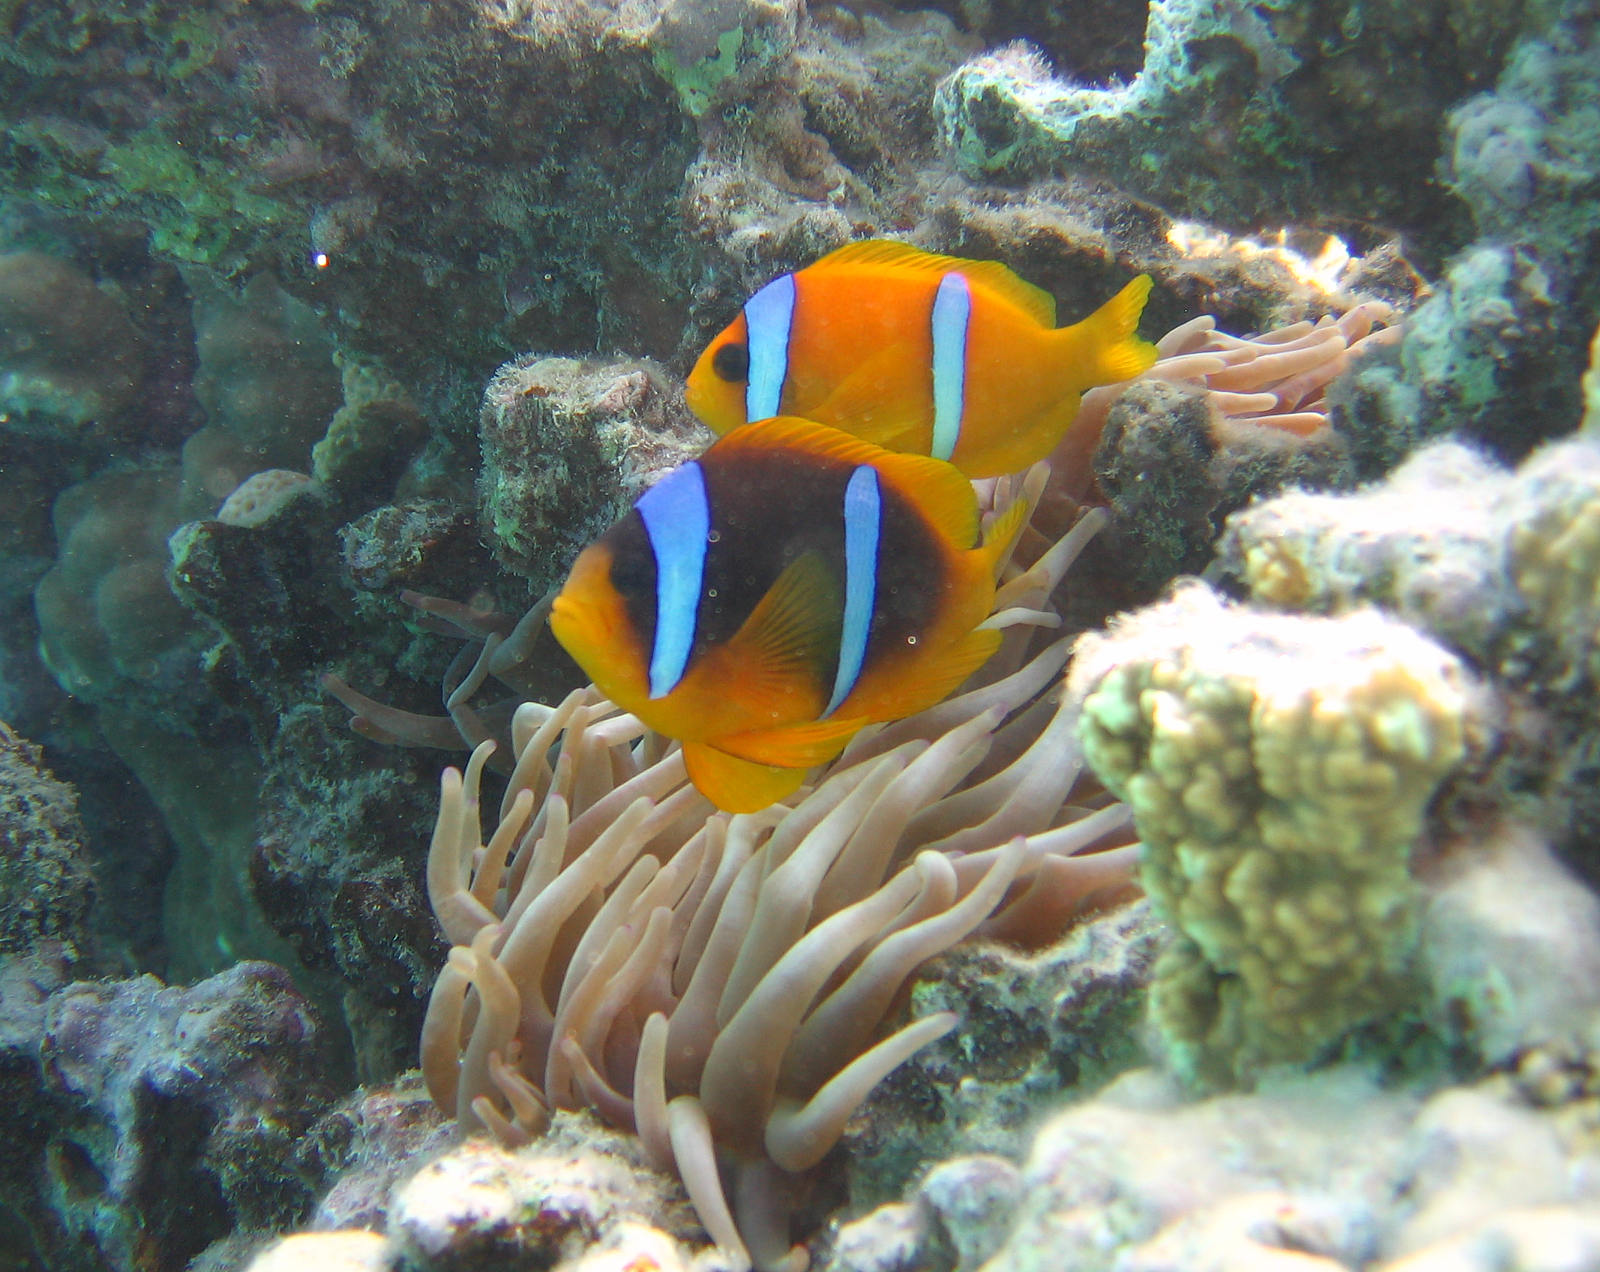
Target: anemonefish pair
x=928 y=354
x=765 y=601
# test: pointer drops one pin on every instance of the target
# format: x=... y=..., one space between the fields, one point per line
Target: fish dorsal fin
x=735 y=785
x=790 y=432
x=795 y=745
x=938 y=489
x=791 y=638
x=988 y=276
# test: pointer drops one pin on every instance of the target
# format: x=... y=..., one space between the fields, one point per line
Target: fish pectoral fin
x=856 y=403
x=935 y=680
x=791 y=636
x=735 y=785
x=794 y=745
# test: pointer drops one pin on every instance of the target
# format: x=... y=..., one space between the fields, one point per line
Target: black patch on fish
x=633 y=574
x=732 y=362
x=768 y=508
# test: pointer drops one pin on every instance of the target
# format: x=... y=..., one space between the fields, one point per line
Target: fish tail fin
x=1105 y=345
x=1002 y=534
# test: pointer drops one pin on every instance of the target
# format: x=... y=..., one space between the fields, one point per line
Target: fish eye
x=732 y=362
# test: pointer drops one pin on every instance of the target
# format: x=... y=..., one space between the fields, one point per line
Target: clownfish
x=765 y=601
x=932 y=355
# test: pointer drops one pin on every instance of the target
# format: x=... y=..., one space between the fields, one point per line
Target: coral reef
x=1489 y=355
x=567 y=447
x=1498 y=564
x=421 y=156
x=1509 y=947
x=46 y=885
x=258 y=263
x=1036 y=1025
x=1216 y=422
x=155 y=1120
x=1329 y=1172
x=1278 y=769
x=1246 y=115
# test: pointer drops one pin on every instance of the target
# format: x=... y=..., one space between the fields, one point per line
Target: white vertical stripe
x=768 y=317
x=952 y=308
x=863 y=520
x=677 y=519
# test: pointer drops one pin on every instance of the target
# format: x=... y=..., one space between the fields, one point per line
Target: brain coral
x=1279 y=769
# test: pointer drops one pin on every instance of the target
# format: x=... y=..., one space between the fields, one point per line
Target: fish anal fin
x=989 y=276
x=795 y=745
x=735 y=785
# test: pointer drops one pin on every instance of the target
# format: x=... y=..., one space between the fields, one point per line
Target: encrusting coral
x=716 y=981
x=1279 y=769
x=1504 y=565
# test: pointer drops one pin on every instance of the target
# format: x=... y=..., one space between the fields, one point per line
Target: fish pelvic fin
x=1105 y=345
x=735 y=785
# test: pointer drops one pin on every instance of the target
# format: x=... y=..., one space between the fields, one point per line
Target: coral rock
x=567 y=447
x=176 y=1109
x=46 y=887
x=1279 y=769
x=546 y=1203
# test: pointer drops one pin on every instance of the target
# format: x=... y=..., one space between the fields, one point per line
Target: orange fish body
x=765 y=601
x=915 y=352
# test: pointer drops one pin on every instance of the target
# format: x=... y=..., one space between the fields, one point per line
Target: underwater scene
x=882 y=636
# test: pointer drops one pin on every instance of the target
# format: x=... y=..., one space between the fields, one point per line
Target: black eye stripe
x=732 y=362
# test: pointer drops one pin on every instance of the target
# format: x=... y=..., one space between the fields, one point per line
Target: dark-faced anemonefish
x=765 y=601
x=932 y=355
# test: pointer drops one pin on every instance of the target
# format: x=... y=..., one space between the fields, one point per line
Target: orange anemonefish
x=960 y=360
x=766 y=600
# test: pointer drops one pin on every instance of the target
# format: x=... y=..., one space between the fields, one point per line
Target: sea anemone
x=718 y=982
